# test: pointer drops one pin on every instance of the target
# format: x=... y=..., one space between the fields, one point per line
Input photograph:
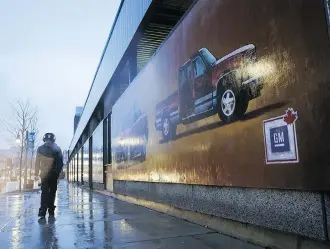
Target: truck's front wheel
x=168 y=129
x=232 y=103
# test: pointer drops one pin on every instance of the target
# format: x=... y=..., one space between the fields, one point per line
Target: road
x=86 y=219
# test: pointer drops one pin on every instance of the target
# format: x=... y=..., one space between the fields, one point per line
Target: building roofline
x=100 y=62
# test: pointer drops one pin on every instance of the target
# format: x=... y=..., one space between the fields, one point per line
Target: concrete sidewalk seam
x=6 y=223
x=163 y=238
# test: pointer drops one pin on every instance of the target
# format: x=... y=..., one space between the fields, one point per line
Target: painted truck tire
x=233 y=103
x=168 y=129
x=242 y=104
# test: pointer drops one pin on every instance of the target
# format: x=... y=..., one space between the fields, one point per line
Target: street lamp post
x=18 y=141
x=26 y=160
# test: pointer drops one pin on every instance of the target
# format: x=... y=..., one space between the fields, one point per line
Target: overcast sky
x=49 y=52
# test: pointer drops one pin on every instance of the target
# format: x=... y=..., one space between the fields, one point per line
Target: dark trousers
x=48 y=188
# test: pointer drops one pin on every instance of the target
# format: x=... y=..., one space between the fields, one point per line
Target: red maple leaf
x=290 y=116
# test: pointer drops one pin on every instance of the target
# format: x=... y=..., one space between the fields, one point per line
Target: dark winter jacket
x=49 y=160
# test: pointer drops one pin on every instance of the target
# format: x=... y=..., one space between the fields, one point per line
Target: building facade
x=217 y=107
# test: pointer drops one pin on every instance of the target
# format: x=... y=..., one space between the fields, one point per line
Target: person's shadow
x=51 y=220
x=48 y=238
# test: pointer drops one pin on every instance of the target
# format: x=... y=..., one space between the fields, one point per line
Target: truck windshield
x=209 y=58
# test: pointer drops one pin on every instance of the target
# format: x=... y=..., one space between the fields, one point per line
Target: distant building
x=9 y=162
x=12 y=152
x=65 y=156
x=77 y=116
x=3 y=163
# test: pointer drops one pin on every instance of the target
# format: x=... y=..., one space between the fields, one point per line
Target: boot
x=51 y=211
x=42 y=212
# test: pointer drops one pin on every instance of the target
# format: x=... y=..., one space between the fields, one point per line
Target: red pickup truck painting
x=207 y=86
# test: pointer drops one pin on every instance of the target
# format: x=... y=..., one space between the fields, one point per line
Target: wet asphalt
x=86 y=219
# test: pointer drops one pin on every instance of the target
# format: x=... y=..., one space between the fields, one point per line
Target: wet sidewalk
x=85 y=219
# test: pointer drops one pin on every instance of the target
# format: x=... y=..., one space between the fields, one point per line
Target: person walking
x=49 y=163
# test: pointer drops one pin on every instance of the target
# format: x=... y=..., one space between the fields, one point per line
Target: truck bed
x=167 y=106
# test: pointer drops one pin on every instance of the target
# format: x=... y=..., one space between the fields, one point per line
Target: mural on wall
x=207 y=86
x=218 y=104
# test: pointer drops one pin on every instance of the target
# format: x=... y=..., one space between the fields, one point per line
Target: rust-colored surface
x=293 y=49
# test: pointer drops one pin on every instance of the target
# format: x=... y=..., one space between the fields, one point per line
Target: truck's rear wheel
x=168 y=129
x=232 y=103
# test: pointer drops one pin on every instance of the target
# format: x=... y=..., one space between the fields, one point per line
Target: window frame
x=195 y=68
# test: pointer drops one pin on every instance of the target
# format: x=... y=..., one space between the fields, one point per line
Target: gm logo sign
x=280 y=138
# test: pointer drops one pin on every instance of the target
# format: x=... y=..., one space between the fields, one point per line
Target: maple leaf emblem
x=290 y=116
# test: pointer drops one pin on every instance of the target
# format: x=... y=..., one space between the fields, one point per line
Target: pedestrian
x=49 y=162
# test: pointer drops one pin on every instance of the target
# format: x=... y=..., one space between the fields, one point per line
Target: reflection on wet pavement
x=85 y=219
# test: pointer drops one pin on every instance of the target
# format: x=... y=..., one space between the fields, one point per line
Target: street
x=85 y=219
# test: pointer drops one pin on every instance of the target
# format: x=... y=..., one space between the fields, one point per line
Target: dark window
x=199 y=67
x=208 y=57
x=86 y=162
x=327 y=11
x=97 y=148
x=109 y=140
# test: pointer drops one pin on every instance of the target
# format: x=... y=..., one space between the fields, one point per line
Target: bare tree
x=23 y=114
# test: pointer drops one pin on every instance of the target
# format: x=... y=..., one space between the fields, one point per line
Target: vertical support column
x=68 y=172
x=109 y=168
x=74 y=169
x=90 y=158
x=105 y=151
x=77 y=163
x=81 y=164
x=109 y=139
